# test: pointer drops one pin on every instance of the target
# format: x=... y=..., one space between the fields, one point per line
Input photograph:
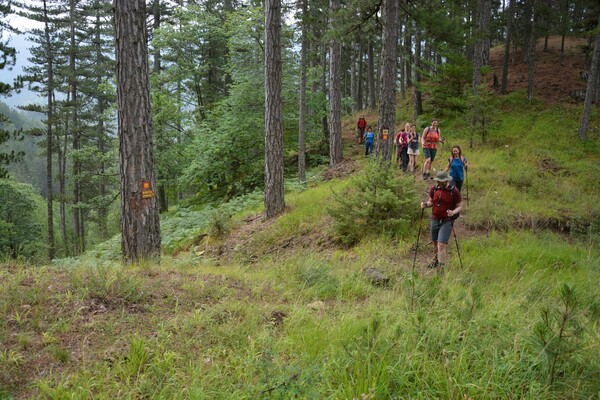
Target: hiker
x=401 y=143
x=413 y=148
x=431 y=137
x=457 y=165
x=360 y=128
x=369 y=137
x=446 y=201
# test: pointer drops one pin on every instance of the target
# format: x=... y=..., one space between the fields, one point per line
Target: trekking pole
x=418 y=236
x=456 y=240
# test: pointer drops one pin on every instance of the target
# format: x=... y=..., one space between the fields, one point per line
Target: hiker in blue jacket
x=369 y=139
x=457 y=165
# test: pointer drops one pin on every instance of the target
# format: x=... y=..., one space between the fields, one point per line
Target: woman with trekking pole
x=446 y=203
x=457 y=166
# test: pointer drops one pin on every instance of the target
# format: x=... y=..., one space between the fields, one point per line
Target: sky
x=22 y=45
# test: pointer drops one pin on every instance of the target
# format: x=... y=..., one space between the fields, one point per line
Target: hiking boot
x=433 y=264
x=440 y=268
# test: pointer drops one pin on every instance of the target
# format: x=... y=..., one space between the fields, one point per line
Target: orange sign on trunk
x=147 y=192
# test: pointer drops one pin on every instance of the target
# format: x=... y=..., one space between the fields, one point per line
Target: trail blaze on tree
x=140 y=226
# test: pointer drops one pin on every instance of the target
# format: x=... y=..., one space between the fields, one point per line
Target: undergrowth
x=520 y=319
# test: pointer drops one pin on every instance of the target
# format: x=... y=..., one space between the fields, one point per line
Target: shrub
x=20 y=233
x=377 y=201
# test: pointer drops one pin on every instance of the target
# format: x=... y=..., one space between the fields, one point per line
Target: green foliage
x=559 y=332
x=377 y=201
x=110 y=286
x=20 y=231
x=448 y=87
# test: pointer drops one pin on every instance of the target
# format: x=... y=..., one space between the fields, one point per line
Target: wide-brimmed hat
x=442 y=176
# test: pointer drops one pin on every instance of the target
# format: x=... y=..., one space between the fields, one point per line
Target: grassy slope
x=277 y=310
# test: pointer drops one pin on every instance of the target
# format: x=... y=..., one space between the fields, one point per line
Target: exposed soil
x=557 y=76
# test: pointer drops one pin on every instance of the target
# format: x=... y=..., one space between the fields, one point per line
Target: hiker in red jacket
x=446 y=201
x=361 y=125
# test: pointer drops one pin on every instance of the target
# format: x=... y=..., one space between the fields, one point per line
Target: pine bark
x=589 y=93
x=408 y=54
x=335 y=97
x=506 y=57
x=353 y=77
x=78 y=223
x=274 y=200
x=302 y=113
x=370 y=76
x=531 y=51
x=140 y=225
x=417 y=58
x=360 y=81
x=49 y=144
x=387 y=86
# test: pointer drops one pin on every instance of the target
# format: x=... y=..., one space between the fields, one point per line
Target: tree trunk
x=324 y=121
x=482 y=42
x=506 y=58
x=274 y=200
x=140 y=224
x=589 y=93
x=486 y=15
x=61 y=160
x=370 y=77
x=408 y=53
x=417 y=58
x=564 y=17
x=78 y=229
x=387 y=81
x=335 y=97
x=103 y=207
x=360 y=81
x=531 y=52
x=50 y=123
x=302 y=113
x=401 y=59
x=353 y=77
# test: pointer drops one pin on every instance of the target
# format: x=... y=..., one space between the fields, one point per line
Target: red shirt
x=444 y=199
x=432 y=136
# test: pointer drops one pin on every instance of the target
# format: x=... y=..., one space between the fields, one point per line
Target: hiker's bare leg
x=441 y=252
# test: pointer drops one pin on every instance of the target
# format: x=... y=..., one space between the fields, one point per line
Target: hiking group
x=407 y=142
x=444 y=197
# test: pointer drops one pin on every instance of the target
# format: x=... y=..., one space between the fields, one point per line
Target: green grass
x=301 y=320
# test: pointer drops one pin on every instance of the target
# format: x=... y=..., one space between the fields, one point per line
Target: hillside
x=557 y=76
x=242 y=308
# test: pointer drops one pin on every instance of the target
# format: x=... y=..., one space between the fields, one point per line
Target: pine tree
x=335 y=100
x=274 y=194
x=387 y=86
x=41 y=77
x=140 y=225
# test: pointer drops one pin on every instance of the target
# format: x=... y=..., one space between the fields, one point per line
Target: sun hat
x=442 y=176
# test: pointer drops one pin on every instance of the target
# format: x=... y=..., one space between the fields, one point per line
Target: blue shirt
x=369 y=136
x=457 y=168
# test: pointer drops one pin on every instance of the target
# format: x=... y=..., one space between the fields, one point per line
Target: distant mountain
x=33 y=167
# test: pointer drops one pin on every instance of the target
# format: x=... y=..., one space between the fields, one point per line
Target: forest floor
x=557 y=76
